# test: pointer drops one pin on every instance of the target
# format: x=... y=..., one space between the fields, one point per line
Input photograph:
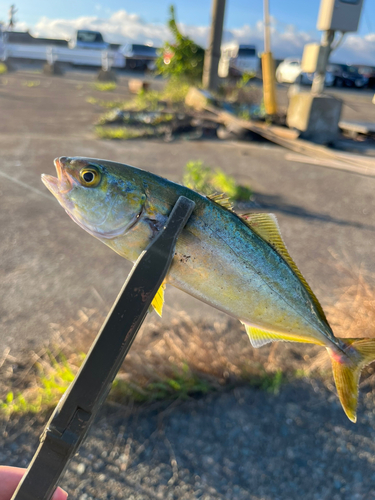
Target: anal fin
x=259 y=337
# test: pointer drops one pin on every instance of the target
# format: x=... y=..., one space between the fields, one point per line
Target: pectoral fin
x=158 y=302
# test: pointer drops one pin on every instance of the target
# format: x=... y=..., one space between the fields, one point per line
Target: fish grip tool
x=75 y=412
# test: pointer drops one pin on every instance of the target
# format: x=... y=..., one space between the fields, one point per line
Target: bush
x=207 y=181
x=186 y=57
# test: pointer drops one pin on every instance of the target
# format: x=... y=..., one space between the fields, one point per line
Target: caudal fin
x=347 y=370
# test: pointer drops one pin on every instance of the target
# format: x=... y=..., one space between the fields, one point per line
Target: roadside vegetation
x=104 y=86
x=182 y=59
x=208 y=181
x=182 y=359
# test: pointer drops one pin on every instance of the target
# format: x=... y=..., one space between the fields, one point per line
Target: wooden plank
x=359 y=127
x=279 y=135
x=338 y=165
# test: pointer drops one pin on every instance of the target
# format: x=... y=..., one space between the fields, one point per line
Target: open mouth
x=58 y=185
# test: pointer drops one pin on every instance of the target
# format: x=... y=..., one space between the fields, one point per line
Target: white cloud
x=122 y=26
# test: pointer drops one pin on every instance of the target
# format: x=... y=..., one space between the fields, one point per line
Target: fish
x=237 y=264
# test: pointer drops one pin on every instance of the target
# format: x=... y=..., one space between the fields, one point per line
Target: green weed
x=271 y=382
x=181 y=384
x=31 y=83
x=145 y=100
x=53 y=377
x=105 y=104
x=244 y=80
x=207 y=181
x=104 y=86
x=123 y=133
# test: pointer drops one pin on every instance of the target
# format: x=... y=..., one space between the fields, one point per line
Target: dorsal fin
x=221 y=199
x=266 y=226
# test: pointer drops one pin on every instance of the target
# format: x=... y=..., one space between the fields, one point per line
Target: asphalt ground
x=242 y=444
x=50 y=268
x=245 y=444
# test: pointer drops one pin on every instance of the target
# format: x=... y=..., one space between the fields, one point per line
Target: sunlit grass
x=123 y=133
x=186 y=357
x=104 y=86
x=105 y=104
x=31 y=83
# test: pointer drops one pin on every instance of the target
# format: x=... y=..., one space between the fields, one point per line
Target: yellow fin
x=158 y=301
x=346 y=371
x=221 y=199
x=266 y=226
x=259 y=337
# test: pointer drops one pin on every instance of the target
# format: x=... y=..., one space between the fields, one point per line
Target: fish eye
x=89 y=177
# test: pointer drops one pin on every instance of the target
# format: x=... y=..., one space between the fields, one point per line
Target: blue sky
x=294 y=21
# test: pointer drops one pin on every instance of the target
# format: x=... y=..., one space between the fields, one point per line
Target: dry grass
x=353 y=315
x=184 y=357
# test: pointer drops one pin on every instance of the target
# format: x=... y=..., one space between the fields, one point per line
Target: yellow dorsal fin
x=221 y=199
x=158 y=301
x=266 y=226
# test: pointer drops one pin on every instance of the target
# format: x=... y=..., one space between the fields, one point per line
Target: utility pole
x=320 y=74
x=268 y=67
x=267 y=37
x=212 y=55
x=11 y=22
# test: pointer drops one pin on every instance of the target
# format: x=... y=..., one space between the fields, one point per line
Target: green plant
x=53 y=377
x=123 y=132
x=104 y=87
x=31 y=83
x=182 y=58
x=175 y=91
x=105 y=104
x=271 y=382
x=207 y=181
x=180 y=384
x=244 y=80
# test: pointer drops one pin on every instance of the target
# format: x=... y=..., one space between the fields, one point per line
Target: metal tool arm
x=76 y=410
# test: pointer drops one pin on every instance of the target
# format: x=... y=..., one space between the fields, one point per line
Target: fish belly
x=244 y=281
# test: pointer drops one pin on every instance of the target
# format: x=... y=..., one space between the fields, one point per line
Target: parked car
x=237 y=59
x=347 y=76
x=86 y=39
x=290 y=71
x=139 y=56
x=368 y=72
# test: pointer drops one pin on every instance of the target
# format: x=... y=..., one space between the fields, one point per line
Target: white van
x=237 y=58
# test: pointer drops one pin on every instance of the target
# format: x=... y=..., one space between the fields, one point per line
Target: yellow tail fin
x=347 y=370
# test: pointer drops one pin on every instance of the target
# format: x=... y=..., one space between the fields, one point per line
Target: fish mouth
x=61 y=184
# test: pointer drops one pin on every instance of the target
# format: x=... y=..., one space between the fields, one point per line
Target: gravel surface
x=242 y=444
